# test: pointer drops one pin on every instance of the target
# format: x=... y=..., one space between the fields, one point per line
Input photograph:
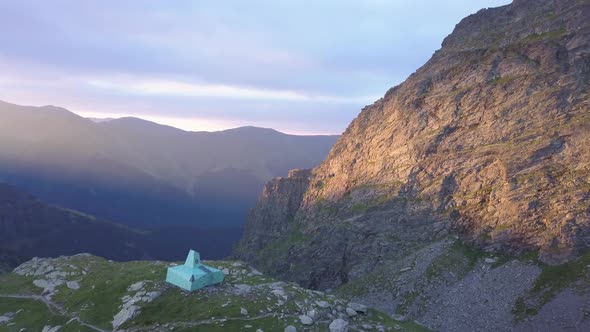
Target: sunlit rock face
x=489 y=139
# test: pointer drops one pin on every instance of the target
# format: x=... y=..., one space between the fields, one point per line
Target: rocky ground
x=88 y=293
x=448 y=286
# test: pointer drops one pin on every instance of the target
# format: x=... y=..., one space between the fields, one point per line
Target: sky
x=298 y=66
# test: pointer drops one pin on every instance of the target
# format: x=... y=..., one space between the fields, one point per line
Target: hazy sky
x=297 y=66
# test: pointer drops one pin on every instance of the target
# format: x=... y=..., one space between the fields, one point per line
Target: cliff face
x=272 y=218
x=488 y=139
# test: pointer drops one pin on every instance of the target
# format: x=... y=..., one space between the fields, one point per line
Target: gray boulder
x=338 y=325
x=305 y=320
x=358 y=307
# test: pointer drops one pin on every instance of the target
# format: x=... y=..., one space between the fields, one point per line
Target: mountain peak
x=483 y=140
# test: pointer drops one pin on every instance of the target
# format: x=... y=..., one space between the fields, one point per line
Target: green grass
x=214 y=308
x=552 y=280
x=100 y=292
x=12 y=284
x=409 y=299
x=397 y=325
x=277 y=250
x=555 y=278
x=458 y=259
x=33 y=316
x=502 y=80
x=545 y=36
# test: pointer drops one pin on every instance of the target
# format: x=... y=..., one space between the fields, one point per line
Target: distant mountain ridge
x=141 y=173
x=31 y=228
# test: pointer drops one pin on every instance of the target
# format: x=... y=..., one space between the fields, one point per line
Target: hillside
x=88 y=293
x=140 y=173
x=488 y=141
x=29 y=228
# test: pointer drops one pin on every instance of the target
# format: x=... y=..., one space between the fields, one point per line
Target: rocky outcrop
x=272 y=217
x=131 y=306
x=488 y=139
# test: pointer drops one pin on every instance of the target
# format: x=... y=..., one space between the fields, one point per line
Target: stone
x=280 y=293
x=127 y=313
x=256 y=272
x=48 y=328
x=351 y=312
x=358 y=307
x=6 y=317
x=136 y=286
x=290 y=328
x=73 y=285
x=323 y=304
x=243 y=312
x=243 y=288
x=338 y=325
x=314 y=314
x=305 y=320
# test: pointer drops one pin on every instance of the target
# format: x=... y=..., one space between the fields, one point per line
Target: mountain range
x=141 y=173
x=30 y=228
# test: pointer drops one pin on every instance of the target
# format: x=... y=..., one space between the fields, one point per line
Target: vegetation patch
x=409 y=299
x=458 y=259
x=552 y=280
x=502 y=80
x=545 y=36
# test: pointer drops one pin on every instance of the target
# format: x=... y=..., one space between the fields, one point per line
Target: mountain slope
x=137 y=172
x=488 y=139
x=88 y=293
x=30 y=228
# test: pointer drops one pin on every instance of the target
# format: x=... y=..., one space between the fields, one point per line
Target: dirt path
x=53 y=308
x=219 y=320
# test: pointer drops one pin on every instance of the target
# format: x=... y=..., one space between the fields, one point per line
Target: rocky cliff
x=272 y=218
x=489 y=140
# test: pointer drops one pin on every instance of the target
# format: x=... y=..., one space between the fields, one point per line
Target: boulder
x=136 y=286
x=305 y=320
x=351 y=312
x=323 y=304
x=48 y=328
x=358 y=307
x=73 y=285
x=338 y=325
x=314 y=314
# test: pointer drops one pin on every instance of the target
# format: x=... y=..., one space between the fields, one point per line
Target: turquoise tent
x=193 y=275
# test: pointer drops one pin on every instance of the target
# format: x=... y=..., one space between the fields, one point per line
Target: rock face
x=488 y=139
x=271 y=219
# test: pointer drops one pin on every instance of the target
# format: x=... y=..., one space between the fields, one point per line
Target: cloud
x=297 y=65
x=208 y=90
